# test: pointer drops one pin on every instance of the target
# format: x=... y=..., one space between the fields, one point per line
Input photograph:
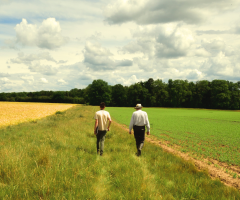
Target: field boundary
x=215 y=169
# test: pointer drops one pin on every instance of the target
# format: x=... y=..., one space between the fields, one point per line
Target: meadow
x=205 y=133
x=55 y=158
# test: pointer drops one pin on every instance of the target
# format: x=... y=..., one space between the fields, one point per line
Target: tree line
x=216 y=94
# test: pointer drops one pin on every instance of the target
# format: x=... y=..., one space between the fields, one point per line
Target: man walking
x=138 y=122
x=101 y=127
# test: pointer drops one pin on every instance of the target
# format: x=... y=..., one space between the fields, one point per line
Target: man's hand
x=108 y=129
x=95 y=132
x=130 y=132
x=148 y=133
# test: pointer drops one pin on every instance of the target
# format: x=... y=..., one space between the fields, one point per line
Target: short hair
x=102 y=105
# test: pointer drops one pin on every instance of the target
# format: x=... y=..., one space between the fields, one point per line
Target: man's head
x=102 y=105
x=138 y=106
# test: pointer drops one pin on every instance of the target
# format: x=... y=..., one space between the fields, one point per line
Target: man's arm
x=131 y=125
x=95 y=126
x=147 y=125
x=109 y=123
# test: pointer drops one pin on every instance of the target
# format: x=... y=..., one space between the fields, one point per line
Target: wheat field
x=12 y=113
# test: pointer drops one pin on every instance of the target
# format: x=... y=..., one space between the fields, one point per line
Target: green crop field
x=208 y=133
x=55 y=158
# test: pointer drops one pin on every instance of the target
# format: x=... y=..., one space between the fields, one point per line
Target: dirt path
x=215 y=169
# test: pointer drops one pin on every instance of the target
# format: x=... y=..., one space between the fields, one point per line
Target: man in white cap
x=138 y=122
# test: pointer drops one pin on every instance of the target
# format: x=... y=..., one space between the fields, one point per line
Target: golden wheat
x=13 y=113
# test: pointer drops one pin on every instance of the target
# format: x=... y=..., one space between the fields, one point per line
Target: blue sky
x=60 y=45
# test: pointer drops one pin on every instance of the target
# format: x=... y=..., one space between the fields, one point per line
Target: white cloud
x=10 y=43
x=174 y=42
x=201 y=52
x=27 y=59
x=234 y=30
x=195 y=74
x=99 y=58
x=4 y=80
x=8 y=84
x=2 y=2
x=28 y=79
x=164 y=11
x=34 y=62
x=221 y=66
x=62 y=61
x=217 y=45
x=133 y=79
x=165 y=41
x=43 y=80
x=4 y=75
x=62 y=82
x=47 y=35
x=43 y=69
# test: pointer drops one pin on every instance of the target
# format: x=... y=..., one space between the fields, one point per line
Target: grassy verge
x=55 y=158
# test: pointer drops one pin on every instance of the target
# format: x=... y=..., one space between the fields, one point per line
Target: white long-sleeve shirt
x=139 y=118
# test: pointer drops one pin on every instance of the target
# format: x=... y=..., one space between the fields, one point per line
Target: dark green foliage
x=218 y=94
x=58 y=97
x=99 y=91
x=59 y=113
x=137 y=93
x=119 y=95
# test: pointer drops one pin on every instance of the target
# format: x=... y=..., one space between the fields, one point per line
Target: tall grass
x=55 y=158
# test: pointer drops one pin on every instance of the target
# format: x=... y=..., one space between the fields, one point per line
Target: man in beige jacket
x=101 y=127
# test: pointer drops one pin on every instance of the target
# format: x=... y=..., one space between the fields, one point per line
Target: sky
x=60 y=45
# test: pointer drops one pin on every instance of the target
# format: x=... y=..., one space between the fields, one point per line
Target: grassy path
x=55 y=158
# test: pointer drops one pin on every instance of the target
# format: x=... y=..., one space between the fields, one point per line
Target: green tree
x=3 y=97
x=178 y=92
x=203 y=94
x=150 y=97
x=160 y=93
x=137 y=94
x=75 y=92
x=58 y=97
x=234 y=89
x=220 y=94
x=190 y=100
x=119 y=95
x=99 y=91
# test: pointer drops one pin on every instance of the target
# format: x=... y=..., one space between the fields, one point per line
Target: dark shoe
x=101 y=153
x=139 y=153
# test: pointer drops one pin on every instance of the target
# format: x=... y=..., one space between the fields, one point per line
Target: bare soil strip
x=216 y=169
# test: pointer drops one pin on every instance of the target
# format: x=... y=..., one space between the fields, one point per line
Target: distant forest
x=216 y=94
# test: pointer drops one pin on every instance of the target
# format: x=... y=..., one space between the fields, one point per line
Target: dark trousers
x=139 y=134
x=100 y=141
